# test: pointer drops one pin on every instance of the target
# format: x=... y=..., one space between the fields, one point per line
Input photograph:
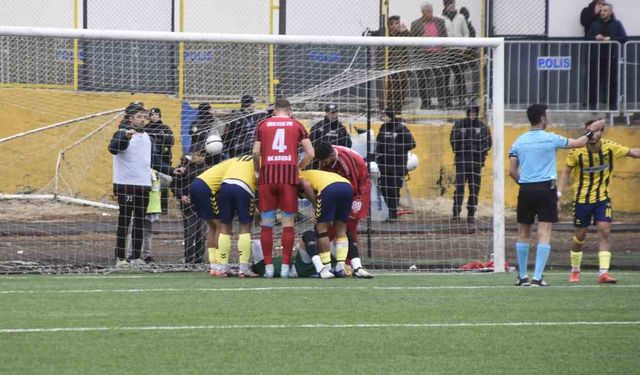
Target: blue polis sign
x=554 y=63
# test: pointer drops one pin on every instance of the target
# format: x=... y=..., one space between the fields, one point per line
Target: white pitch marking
x=278 y=288
x=316 y=326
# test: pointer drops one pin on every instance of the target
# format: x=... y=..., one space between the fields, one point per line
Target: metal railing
x=631 y=92
x=569 y=76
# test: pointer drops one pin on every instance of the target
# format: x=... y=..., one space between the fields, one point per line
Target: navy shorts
x=585 y=214
x=334 y=203
x=205 y=202
x=233 y=198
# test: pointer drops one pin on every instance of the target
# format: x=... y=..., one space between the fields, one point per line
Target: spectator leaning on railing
x=603 y=70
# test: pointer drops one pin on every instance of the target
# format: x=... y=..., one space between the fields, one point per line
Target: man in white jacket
x=457 y=27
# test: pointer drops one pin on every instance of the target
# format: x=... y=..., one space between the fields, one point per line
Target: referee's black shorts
x=538 y=199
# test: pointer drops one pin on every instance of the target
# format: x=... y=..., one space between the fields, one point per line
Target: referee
x=532 y=165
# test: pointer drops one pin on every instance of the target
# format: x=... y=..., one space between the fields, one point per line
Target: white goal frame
x=496 y=104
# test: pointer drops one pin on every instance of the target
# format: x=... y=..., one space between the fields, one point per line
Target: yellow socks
x=605 y=260
x=325 y=258
x=244 y=247
x=213 y=257
x=576 y=260
x=224 y=245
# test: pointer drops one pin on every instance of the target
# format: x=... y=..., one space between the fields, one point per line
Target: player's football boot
x=339 y=274
x=247 y=274
x=538 y=283
x=284 y=273
x=326 y=273
x=605 y=278
x=574 y=277
x=523 y=281
x=361 y=273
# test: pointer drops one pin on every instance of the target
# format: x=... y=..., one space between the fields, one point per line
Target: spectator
x=393 y=142
x=456 y=28
x=430 y=26
x=470 y=140
x=472 y=56
x=472 y=30
x=398 y=58
x=195 y=229
x=134 y=156
x=239 y=134
x=163 y=140
x=532 y=165
x=589 y=14
x=204 y=125
x=330 y=129
x=603 y=67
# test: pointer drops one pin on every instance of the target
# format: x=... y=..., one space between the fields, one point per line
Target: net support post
x=497 y=114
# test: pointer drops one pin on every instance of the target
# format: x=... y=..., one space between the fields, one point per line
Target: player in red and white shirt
x=350 y=165
x=275 y=156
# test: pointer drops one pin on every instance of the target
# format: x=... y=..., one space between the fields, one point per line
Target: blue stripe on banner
x=186 y=118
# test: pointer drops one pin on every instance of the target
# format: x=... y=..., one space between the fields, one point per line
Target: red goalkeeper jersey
x=350 y=165
x=279 y=138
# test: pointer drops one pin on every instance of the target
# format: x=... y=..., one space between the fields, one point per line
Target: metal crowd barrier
x=631 y=91
x=569 y=76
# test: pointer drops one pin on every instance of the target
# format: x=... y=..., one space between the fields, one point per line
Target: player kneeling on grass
x=236 y=195
x=592 y=168
x=304 y=261
x=331 y=196
x=301 y=264
x=203 y=193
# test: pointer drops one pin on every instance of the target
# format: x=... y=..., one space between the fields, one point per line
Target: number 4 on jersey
x=278 y=141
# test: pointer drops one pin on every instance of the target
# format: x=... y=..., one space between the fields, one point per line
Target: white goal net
x=64 y=94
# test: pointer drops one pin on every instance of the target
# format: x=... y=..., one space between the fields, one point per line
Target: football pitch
x=395 y=323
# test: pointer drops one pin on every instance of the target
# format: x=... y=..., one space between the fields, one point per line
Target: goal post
x=426 y=83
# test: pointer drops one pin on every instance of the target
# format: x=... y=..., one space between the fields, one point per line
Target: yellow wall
x=31 y=160
x=436 y=162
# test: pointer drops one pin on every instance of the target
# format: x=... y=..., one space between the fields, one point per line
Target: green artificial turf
x=414 y=323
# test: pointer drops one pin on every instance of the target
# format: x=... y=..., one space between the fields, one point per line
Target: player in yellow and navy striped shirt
x=236 y=195
x=591 y=168
x=331 y=195
x=203 y=193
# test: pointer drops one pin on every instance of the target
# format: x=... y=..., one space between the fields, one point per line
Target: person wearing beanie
x=239 y=134
x=204 y=125
x=393 y=142
x=470 y=141
x=330 y=129
x=163 y=140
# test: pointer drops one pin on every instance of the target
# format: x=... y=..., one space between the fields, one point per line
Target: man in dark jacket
x=195 y=229
x=470 y=140
x=589 y=14
x=398 y=58
x=163 y=139
x=330 y=129
x=239 y=134
x=603 y=70
x=393 y=142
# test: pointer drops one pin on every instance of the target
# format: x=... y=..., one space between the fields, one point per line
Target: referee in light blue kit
x=532 y=165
